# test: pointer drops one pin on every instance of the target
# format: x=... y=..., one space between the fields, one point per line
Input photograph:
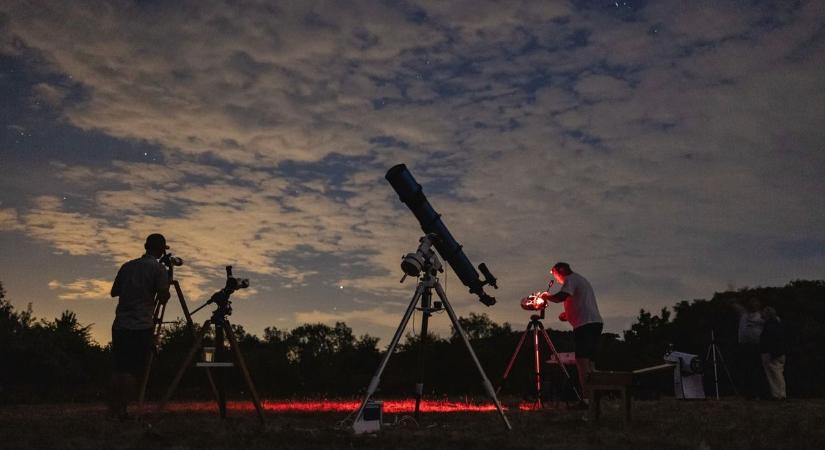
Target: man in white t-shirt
x=582 y=312
x=751 y=325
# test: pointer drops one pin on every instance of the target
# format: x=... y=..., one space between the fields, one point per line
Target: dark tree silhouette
x=55 y=360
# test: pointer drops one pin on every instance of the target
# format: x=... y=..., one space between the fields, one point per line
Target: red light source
x=533 y=302
x=316 y=406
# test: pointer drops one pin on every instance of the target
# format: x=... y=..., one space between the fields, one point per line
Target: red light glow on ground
x=345 y=406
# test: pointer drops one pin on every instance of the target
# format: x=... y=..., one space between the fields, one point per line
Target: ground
x=666 y=423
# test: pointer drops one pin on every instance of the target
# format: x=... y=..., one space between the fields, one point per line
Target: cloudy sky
x=667 y=150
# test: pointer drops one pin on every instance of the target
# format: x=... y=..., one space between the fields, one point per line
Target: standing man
x=772 y=345
x=581 y=310
x=139 y=283
x=751 y=324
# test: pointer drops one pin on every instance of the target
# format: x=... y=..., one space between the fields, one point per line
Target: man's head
x=753 y=304
x=155 y=245
x=560 y=271
x=769 y=313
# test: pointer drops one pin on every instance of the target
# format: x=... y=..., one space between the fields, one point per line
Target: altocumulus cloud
x=662 y=150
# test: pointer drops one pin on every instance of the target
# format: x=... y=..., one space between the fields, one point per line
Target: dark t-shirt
x=137 y=283
x=773 y=338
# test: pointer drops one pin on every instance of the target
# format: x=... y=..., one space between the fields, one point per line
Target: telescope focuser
x=489 y=279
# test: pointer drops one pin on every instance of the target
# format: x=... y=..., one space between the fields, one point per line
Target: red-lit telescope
x=533 y=303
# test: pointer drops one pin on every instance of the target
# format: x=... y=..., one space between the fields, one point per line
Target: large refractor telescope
x=410 y=192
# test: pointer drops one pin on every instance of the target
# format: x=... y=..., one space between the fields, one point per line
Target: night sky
x=666 y=149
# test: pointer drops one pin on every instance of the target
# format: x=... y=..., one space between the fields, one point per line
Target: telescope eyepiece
x=488 y=277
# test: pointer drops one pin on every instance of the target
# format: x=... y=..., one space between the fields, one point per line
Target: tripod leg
x=160 y=311
x=426 y=299
x=725 y=366
x=191 y=324
x=558 y=358
x=182 y=302
x=239 y=359
x=144 y=382
x=715 y=370
x=221 y=376
x=485 y=381
x=513 y=358
x=186 y=362
x=537 y=366
x=376 y=379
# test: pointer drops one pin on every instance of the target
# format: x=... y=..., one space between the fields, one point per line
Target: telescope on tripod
x=223 y=332
x=425 y=265
x=535 y=328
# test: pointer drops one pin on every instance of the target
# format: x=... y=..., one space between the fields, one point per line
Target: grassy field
x=667 y=423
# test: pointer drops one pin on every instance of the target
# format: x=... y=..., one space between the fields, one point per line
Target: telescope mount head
x=423 y=261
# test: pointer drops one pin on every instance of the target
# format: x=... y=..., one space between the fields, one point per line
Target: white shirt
x=751 y=325
x=580 y=306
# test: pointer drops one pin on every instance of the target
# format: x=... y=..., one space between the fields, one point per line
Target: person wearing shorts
x=138 y=284
x=582 y=312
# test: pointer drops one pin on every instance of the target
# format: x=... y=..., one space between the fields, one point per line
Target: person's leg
x=750 y=370
x=114 y=395
x=116 y=385
x=584 y=366
x=130 y=349
x=770 y=375
x=586 y=339
x=774 y=372
x=140 y=346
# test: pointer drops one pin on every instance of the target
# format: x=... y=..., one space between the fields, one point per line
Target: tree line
x=56 y=360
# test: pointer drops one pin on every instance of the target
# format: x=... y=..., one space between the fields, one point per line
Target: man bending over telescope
x=582 y=312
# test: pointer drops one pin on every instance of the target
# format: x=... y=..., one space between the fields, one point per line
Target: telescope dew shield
x=411 y=193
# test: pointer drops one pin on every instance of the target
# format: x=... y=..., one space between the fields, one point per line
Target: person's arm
x=558 y=297
x=564 y=293
x=162 y=286
x=779 y=347
x=115 y=292
x=736 y=306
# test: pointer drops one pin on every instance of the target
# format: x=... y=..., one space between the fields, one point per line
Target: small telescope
x=221 y=298
x=533 y=302
x=410 y=192
x=168 y=260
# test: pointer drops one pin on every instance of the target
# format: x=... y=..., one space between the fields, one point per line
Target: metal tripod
x=536 y=327
x=160 y=311
x=714 y=353
x=223 y=330
x=423 y=293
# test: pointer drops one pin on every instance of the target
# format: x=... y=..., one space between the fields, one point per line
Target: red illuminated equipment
x=535 y=329
x=533 y=302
